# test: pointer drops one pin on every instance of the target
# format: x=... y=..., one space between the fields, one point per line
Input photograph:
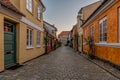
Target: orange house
x=104 y=26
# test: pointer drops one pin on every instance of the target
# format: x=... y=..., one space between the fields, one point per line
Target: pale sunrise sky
x=63 y=13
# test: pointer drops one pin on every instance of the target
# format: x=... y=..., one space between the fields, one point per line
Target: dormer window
x=29 y=5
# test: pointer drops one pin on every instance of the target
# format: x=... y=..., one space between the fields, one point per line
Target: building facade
x=82 y=16
x=63 y=37
x=50 y=38
x=104 y=27
x=74 y=37
x=21 y=35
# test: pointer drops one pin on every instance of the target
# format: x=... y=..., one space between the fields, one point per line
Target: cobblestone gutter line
x=104 y=66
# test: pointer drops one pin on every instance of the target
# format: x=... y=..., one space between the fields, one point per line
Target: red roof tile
x=63 y=33
x=9 y=5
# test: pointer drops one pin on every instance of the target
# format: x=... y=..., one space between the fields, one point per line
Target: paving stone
x=61 y=64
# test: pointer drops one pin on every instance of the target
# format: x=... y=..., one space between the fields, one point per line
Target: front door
x=9 y=44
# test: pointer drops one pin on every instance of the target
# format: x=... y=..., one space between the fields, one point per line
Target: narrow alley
x=61 y=64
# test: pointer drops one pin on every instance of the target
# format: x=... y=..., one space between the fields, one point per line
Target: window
x=38 y=39
x=29 y=5
x=102 y=30
x=43 y=41
x=91 y=32
x=8 y=27
x=29 y=37
x=38 y=12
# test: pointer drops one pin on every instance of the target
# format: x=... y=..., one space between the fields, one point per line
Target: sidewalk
x=104 y=65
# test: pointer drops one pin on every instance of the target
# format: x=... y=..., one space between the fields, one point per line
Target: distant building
x=74 y=37
x=63 y=37
x=50 y=38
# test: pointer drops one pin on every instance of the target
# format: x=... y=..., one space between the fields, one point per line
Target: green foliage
x=59 y=43
x=90 y=43
x=46 y=40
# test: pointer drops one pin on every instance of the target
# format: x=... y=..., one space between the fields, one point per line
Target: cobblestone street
x=61 y=64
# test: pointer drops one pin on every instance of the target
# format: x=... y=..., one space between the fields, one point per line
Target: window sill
x=30 y=47
x=39 y=20
x=103 y=42
x=38 y=46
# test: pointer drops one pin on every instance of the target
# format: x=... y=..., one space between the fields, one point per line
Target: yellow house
x=21 y=35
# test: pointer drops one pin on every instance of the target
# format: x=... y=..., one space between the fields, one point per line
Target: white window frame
x=38 y=12
x=29 y=38
x=29 y=5
x=38 y=38
x=102 y=30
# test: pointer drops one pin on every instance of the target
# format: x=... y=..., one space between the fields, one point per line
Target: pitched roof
x=43 y=5
x=104 y=6
x=49 y=28
x=86 y=11
x=10 y=6
x=64 y=33
x=46 y=23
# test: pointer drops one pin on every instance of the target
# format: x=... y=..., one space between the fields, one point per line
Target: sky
x=63 y=13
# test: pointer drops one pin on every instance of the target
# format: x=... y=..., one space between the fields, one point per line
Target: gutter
x=43 y=6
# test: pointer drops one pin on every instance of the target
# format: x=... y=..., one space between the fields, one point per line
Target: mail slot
x=9 y=52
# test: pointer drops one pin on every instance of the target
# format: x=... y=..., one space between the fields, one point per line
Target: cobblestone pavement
x=61 y=64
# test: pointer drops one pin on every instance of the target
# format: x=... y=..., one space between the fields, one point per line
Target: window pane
x=100 y=36
x=30 y=37
x=29 y=5
x=38 y=38
x=38 y=13
x=103 y=32
x=27 y=37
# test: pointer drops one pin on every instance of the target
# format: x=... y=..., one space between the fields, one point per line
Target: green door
x=9 y=44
